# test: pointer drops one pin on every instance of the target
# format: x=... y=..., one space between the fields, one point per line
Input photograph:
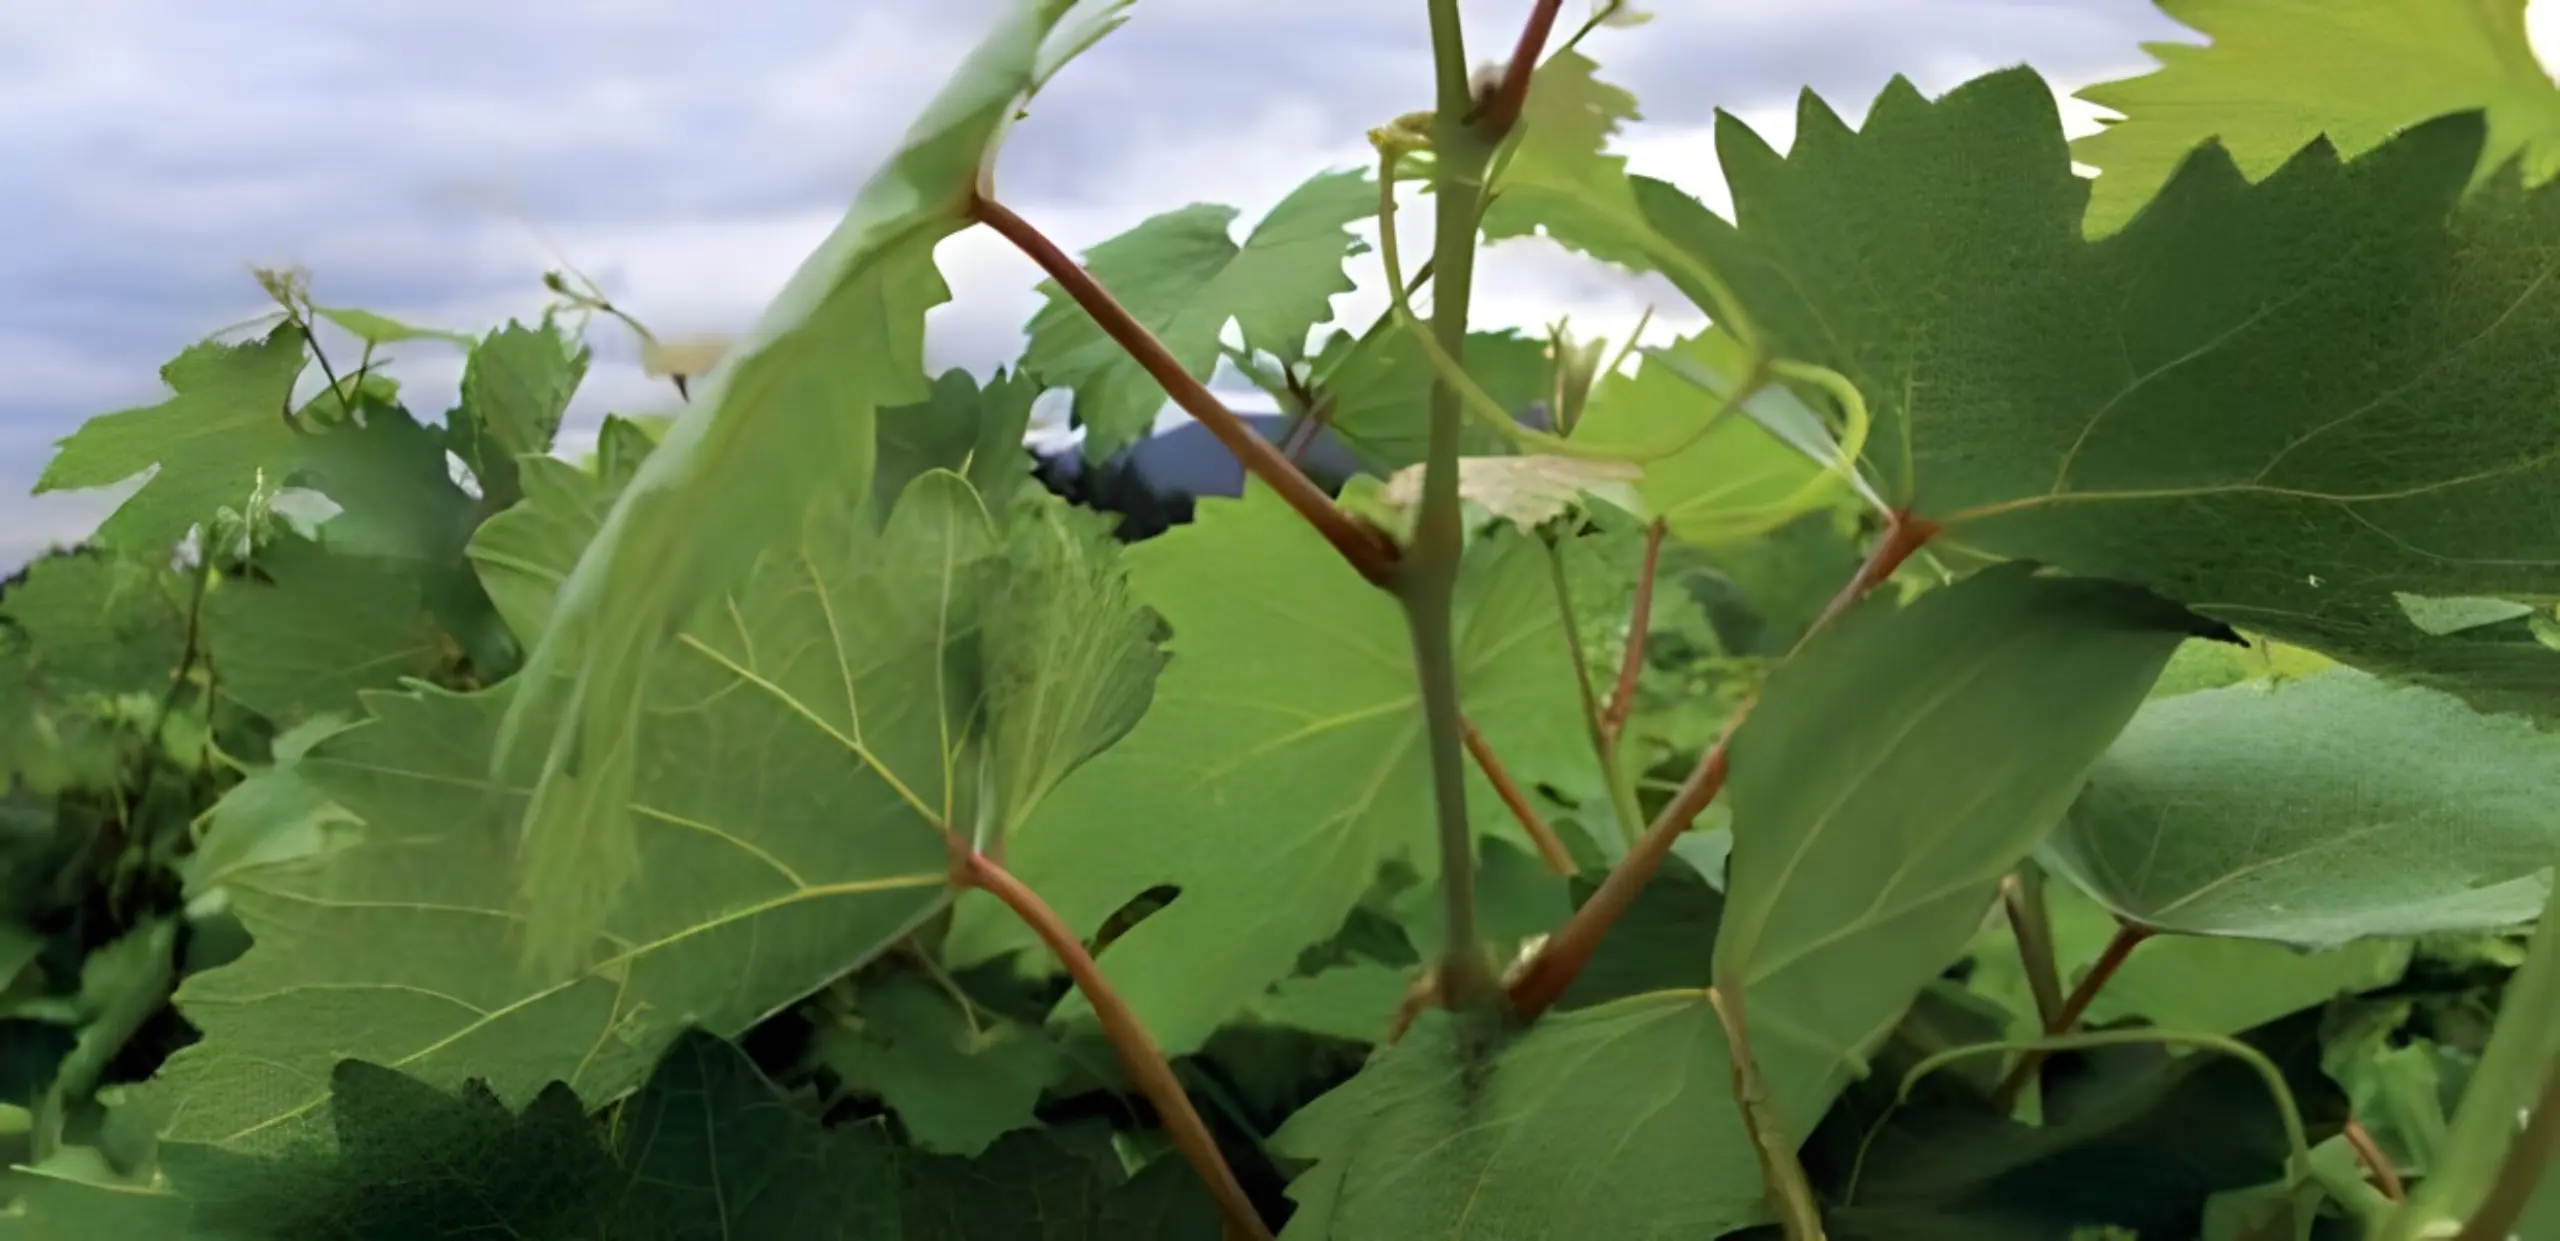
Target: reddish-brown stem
x=2033 y=931
x=1550 y=849
x=1622 y=696
x=1538 y=986
x=1502 y=108
x=2120 y=946
x=1543 y=981
x=1139 y=1056
x=1906 y=532
x=1363 y=545
x=2377 y=1165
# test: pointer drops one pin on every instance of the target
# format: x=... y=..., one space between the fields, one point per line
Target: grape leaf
x=1730 y=480
x=706 y=1148
x=973 y=431
x=1377 y=391
x=1281 y=763
x=956 y=1080
x=1611 y=1121
x=525 y=553
x=797 y=753
x=1061 y=1184
x=1355 y=1002
x=273 y=817
x=1888 y=778
x=1618 y=1119
x=1526 y=490
x=392 y=483
x=1070 y=658
x=323 y=628
x=99 y=623
x=1185 y=278
x=786 y=417
x=219 y=438
x=2190 y=983
x=2169 y=405
x=1557 y=178
x=56 y=1204
x=2278 y=74
x=516 y=386
x=381 y=329
x=2331 y=808
x=2138 y=1137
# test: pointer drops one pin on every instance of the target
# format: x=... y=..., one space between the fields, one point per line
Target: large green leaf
x=787 y=416
x=1070 y=658
x=219 y=438
x=274 y=817
x=2279 y=74
x=525 y=553
x=392 y=483
x=1281 y=763
x=2136 y=1137
x=516 y=386
x=1886 y=781
x=323 y=628
x=957 y=1080
x=706 y=1149
x=2332 y=808
x=1185 y=278
x=2170 y=405
x=1613 y=1121
x=797 y=755
x=2189 y=983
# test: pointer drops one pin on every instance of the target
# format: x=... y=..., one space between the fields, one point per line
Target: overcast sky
x=689 y=154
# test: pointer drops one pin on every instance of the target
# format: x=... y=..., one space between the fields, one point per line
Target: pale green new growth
x=2277 y=75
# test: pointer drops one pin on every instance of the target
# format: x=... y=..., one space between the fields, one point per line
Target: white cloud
x=690 y=158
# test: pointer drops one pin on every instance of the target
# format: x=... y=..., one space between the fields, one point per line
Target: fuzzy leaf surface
x=2332 y=808
x=327 y=627
x=1886 y=781
x=1888 y=778
x=2169 y=405
x=1611 y=1121
x=794 y=767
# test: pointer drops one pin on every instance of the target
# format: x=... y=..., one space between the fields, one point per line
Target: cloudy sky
x=421 y=156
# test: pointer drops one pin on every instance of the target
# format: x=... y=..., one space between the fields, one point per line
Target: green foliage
x=1184 y=277
x=2168 y=406
x=2277 y=75
x=791 y=821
